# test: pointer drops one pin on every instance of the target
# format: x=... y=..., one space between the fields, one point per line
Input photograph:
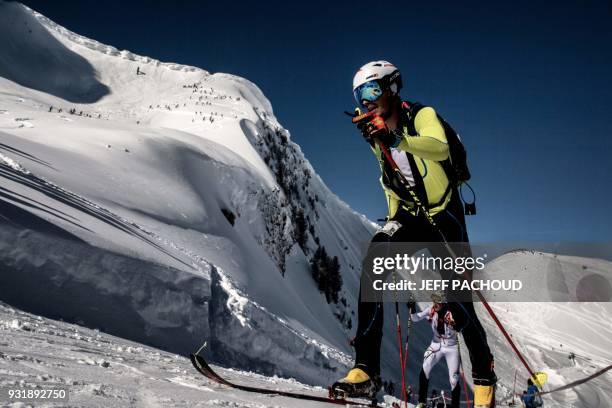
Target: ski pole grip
x=363 y=117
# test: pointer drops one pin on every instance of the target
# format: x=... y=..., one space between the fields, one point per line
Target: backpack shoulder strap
x=411 y=109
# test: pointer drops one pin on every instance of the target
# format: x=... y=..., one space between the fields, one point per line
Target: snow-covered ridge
x=108 y=49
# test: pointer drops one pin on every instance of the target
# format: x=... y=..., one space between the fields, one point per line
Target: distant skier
x=522 y=399
x=572 y=357
x=530 y=398
x=417 y=140
x=443 y=344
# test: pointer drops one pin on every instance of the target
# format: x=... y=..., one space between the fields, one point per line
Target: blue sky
x=526 y=84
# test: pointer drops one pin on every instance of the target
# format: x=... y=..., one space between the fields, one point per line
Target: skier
x=572 y=357
x=530 y=398
x=443 y=344
x=523 y=398
x=376 y=88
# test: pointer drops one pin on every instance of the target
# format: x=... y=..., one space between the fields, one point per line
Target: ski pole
x=465 y=390
x=514 y=387
x=505 y=333
x=399 y=341
x=408 y=330
x=401 y=355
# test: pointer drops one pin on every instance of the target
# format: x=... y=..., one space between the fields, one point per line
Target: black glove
x=411 y=307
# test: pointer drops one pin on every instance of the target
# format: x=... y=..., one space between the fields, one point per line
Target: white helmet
x=383 y=71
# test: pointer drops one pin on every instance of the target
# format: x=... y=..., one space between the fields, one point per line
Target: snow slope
x=547 y=332
x=100 y=370
x=115 y=214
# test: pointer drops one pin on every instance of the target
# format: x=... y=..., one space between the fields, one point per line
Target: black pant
x=451 y=222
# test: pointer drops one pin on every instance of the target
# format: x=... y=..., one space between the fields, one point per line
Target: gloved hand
x=377 y=128
x=448 y=318
x=411 y=307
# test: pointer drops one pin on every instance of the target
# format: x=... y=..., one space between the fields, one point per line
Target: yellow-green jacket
x=426 y=149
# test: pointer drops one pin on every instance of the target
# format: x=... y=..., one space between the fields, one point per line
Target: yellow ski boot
x=484 y=396
x=356 y=384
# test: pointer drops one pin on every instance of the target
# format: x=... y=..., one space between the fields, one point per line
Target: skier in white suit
x=443 y=344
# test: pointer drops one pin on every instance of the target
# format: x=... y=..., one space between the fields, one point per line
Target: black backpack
x=455 y=167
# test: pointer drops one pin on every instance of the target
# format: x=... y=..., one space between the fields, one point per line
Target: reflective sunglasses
x=368 y=91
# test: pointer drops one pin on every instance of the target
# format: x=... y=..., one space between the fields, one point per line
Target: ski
x=203 y=368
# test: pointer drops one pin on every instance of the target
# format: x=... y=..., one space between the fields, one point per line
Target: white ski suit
x=443 y=344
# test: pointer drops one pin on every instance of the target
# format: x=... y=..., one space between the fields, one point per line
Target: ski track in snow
x=197 y=261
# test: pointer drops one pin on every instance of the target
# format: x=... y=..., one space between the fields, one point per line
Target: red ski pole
x=401 y=354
